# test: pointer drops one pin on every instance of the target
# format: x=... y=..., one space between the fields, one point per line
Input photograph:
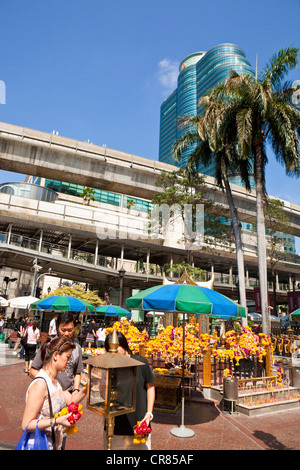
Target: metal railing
x=62 y=251
x=131 y=266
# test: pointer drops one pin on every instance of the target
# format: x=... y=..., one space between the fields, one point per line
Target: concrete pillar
x=96 y=252
x=212 y=268
x=247 y=277
x=171 y=265
x=41 y=240
x=277 y=281
x=70 y=246
x=148 y=261
x=230 y=275
x=9 y=233
x=290 y=282
x=122 y=255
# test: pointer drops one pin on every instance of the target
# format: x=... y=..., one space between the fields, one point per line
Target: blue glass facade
x=197 y=74
x=168 y=114
x=100 y=195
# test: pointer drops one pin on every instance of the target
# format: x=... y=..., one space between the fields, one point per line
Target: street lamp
x=122 y=273
x=35 y=284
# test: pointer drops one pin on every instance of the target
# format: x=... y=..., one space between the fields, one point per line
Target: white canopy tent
x=22 y=302
x=3 y=302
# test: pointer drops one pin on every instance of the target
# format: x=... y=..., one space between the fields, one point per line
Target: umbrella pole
x=182 y=431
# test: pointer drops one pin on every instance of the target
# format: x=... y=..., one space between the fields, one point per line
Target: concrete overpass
x=38 y=153
x=64 y=235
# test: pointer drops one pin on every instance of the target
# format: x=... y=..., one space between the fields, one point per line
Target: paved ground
x=214 y=430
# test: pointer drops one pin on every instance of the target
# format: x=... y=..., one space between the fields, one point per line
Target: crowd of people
x=55 y=366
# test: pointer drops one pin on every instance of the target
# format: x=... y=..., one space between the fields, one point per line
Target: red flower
x=142 y=428
x=73 y=408
x=71 y=420
x=76 y=415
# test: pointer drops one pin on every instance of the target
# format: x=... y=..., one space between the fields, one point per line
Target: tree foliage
x=88 y=195
x=79 y=292
x=183 y=187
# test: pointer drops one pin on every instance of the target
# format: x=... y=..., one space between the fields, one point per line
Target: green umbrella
x=296 y=315
x=62 y=303
x=113 y=311
x=186 y=298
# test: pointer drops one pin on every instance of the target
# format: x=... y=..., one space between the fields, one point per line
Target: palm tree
x=249 y=112
x=88 y=194
x=227 y=163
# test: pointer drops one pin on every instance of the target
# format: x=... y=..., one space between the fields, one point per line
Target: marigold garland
x=167 y=345
x=132 y=334
x=244 y=345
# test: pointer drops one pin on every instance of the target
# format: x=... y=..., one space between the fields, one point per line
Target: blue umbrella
x=113 y=311
x=63 y=303
x=186 y=298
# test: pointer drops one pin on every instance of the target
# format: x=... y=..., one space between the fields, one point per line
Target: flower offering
x=141 y=430
x=76 y=411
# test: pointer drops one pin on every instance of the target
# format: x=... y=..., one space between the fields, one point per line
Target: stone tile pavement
x=214 y=429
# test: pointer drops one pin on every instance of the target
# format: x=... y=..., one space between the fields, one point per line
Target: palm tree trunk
x=239 y=247
x=261 y=238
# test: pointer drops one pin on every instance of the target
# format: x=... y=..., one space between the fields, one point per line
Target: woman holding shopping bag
x=45 y=396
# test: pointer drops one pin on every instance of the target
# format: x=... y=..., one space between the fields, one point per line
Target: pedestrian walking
x=52 y=327
x=101 y=334
x=25 y=324
x=33 y=333
x=91 y=333
x=19 y=328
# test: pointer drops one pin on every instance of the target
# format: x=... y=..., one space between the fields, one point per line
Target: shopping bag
x=24 y=340
x=40 y=440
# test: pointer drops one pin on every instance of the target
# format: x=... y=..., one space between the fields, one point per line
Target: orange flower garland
x=168 y=345
x=247 y=345
x=132 y=334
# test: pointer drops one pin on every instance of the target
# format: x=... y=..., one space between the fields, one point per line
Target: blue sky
x=99 y=70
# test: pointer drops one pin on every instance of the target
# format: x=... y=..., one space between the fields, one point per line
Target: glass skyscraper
x=197 y=74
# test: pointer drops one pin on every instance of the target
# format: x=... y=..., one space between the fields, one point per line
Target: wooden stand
x=167 y=394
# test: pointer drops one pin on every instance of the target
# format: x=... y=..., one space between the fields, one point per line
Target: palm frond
x=280 y=64
x=181 y=144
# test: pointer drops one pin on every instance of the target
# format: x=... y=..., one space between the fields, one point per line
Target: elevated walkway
x=36 y=153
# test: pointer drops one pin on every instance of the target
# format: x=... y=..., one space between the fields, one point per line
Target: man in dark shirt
x=145 y=396
x=70 y=378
